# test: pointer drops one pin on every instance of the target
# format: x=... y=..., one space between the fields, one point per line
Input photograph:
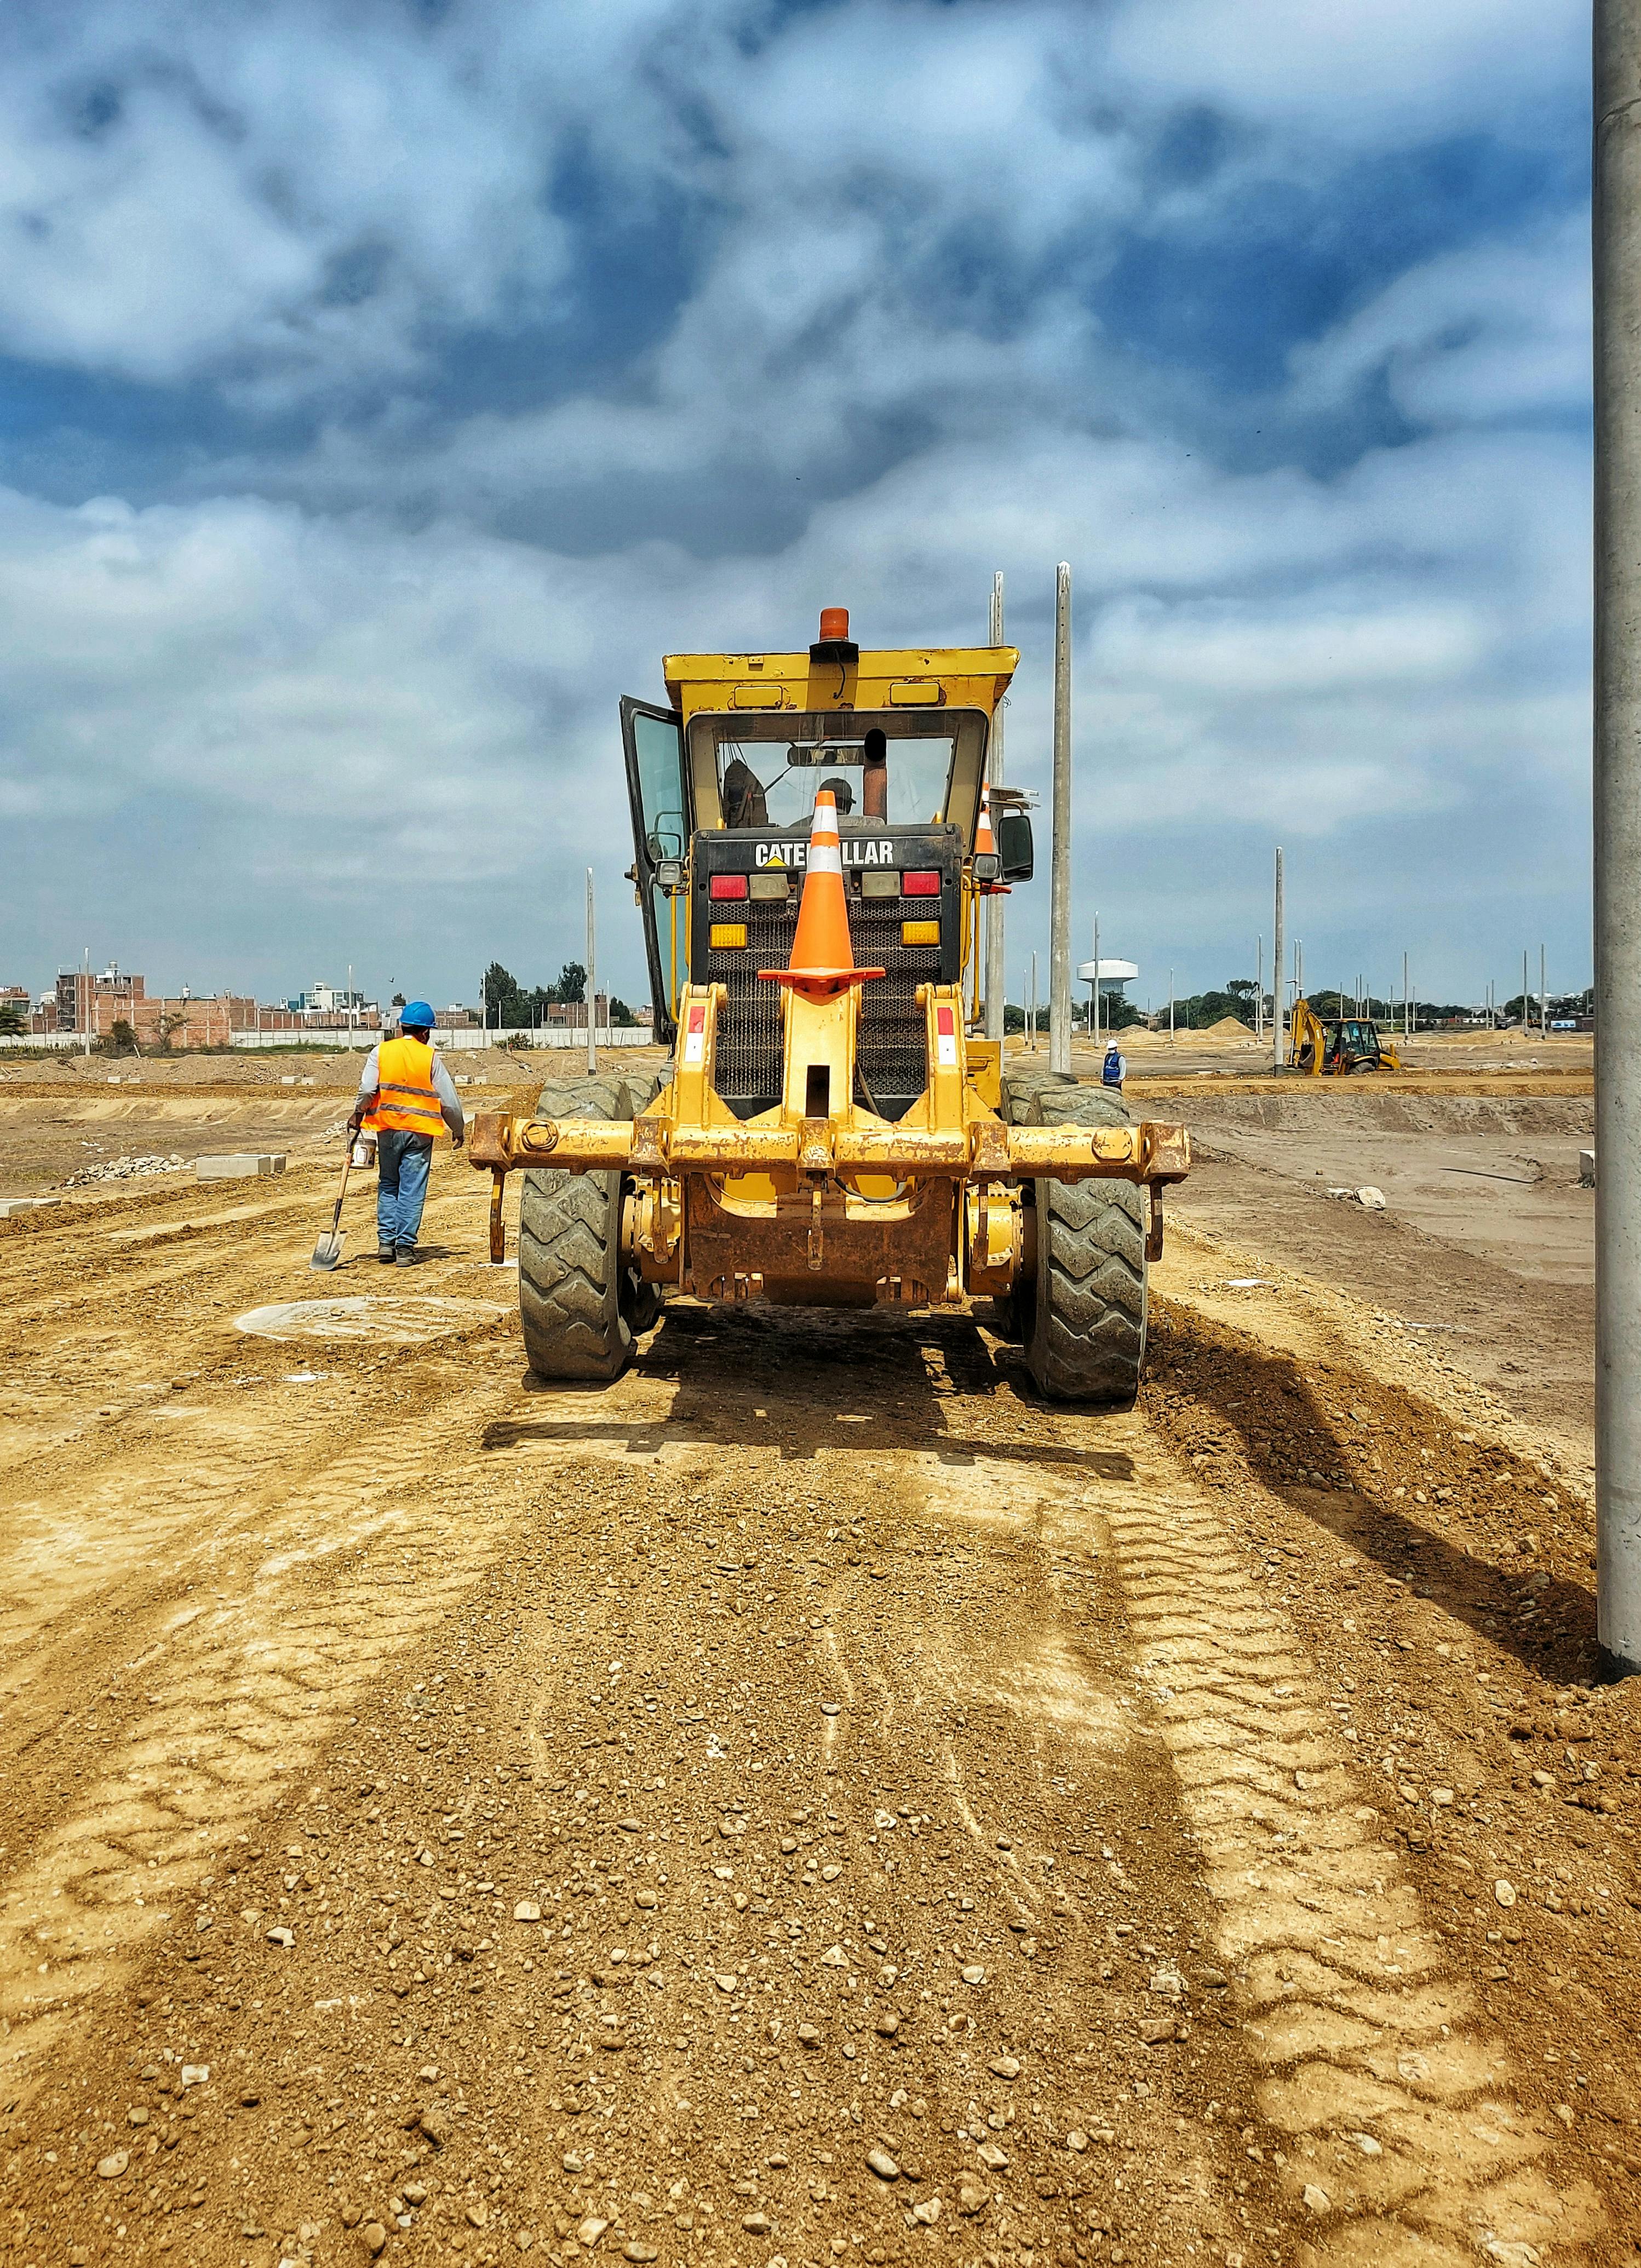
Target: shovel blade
x=328 y=1251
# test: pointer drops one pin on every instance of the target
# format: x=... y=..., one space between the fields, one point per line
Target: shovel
x=328 y=1251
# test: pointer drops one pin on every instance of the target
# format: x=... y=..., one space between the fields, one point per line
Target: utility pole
x=1277 y=1019
x=997 y=973
x=593 y=981
x=1616 y=239
x=1060 y=869
x=1544 y=999
x=1171 y=1004
x=1033 y=1004
x=1259 y=988
x=1298 y=969
x=1093 y=1017
x=1407 y=1028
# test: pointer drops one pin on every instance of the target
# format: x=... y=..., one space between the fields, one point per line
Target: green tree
x=572 y=982
x=13 y=1016
x=622 y=1014
x=504 y=1003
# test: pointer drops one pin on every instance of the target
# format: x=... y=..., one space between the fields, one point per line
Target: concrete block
x=1586 y=1170
x=11 y=1206
x=249 y=1165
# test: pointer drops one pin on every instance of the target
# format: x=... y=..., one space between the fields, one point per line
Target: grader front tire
x=575 y=1302
x=1087 y=1335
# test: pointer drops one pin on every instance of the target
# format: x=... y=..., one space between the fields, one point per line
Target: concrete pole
x=1544 y=999
x=1617 y=803
x=1033 y=1004
x=1060 y=870
x=1407 y=1027
x=593 y=981
x=997 y=973
x=1259 y=988
x=1094 y=1016
x=1277 y=978
x=1171 y=1004
x=1524 y=992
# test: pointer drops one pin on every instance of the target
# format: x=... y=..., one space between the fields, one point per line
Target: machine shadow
x=1250 y=1391
x=799 y=1380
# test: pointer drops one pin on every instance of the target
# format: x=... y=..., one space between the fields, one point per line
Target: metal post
x=1544 y=999
x=1259 y=988
x=1171 y=1004
x=1617 y=809
x=997 y=973
x=1276 y=976
x=1298 y=969
x=1524 y=992
x=1033 y=1004
x=1406 y=1030
x=1060 y=867
x=593 y=981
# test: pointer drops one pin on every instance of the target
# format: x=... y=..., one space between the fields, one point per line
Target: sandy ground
x=809 y=1801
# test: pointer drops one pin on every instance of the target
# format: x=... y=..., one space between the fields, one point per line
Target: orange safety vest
x=405 y=1096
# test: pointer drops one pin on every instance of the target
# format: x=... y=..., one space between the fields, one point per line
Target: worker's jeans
x=402 y=1164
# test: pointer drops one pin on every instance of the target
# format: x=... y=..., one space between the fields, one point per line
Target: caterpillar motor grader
x=810 y=855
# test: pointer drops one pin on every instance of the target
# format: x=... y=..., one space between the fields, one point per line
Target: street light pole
x=997 y=973
x=1093 y=1017
x=593 y=982
x=1277 y=979
x=1616 y=245
x=1060 y=869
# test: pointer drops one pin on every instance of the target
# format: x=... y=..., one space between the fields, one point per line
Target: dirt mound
x=1229 y=1028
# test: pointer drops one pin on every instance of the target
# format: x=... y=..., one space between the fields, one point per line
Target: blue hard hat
x=417 y=1012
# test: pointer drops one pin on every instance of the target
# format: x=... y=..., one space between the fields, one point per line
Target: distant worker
x=1114 y=1071
x=406 y=1098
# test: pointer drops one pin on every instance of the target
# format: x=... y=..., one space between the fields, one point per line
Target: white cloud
x=1495 y=331
x=1360 y=73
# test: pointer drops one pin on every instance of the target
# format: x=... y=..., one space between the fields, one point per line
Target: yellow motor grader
x=829 y=1134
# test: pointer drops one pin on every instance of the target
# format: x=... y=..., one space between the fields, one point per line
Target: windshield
x=889 y=767
x=902 y=781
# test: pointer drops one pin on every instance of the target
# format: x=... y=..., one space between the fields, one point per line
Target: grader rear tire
x=1086 y=1337
x=576 y=1301
x=1022 y=1084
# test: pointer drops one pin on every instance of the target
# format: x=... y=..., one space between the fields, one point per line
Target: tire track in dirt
x=242 y=1695
x=1405 y=2143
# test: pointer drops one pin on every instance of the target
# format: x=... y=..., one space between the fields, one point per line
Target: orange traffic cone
x=822 y=963
x=985 y=845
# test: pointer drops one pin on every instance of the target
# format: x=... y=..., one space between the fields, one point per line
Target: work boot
x=405 y=1256
x=384 y=1253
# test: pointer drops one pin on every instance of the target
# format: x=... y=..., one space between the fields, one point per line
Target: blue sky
x=386 y=384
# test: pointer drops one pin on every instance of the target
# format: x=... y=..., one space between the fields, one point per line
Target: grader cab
x=812 y=847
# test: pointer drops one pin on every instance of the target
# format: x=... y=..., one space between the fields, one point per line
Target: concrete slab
x=11 y=1206
x=248 y=1166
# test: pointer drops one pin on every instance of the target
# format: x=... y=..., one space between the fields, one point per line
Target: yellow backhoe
x=829 y=1134
x=1335 y=1046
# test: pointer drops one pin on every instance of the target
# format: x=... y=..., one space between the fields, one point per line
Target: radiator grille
x=894 y=1060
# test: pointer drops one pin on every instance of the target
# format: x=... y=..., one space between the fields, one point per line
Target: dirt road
x=809 y=1801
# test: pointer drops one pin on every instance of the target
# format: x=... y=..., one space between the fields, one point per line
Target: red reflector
x=697 y=1020
x=727 y=885
x=920 y=886
x=942 y=1023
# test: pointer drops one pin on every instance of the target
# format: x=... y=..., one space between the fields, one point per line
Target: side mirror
x=1015 y=845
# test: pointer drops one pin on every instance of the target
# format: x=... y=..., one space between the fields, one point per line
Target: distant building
x=572 y=1014
x=92 y=1005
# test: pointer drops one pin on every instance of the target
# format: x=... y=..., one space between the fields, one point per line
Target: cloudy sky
x=388 y=383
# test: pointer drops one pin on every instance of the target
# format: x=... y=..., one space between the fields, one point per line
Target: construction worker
x=406 y=1098
x=1114 y=1071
